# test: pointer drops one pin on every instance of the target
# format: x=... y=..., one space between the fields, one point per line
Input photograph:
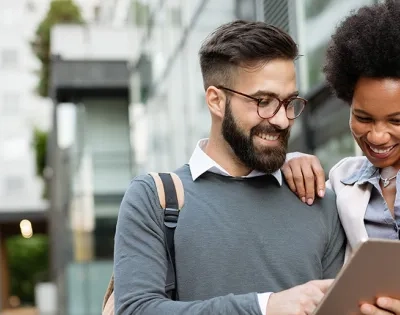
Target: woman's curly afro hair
x=366 y=44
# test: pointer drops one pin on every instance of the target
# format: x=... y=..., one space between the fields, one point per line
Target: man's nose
x=280 y=119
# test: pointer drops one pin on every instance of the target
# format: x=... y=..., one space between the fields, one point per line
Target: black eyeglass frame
x=284 y=102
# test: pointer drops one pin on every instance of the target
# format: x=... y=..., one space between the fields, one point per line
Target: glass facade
x=320 y=20
x=335 y=149
x=317 y=20
x=170 y=79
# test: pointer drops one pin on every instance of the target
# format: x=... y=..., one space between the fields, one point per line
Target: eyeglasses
x=269 y=106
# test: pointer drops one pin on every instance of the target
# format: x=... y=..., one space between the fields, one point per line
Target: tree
x=40 y=145
x=141 y=12
x=40 y=139
x=60 y=12
x=28 y=264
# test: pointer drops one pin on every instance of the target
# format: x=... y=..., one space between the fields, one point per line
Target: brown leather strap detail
x=160 y=189
x=180 y=193
x=109 y=292
x=108 y=308
x=178 y=187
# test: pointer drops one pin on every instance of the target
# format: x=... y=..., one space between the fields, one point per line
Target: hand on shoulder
x=305 y=176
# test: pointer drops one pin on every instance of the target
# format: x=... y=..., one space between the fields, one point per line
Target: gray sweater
x=235 y=238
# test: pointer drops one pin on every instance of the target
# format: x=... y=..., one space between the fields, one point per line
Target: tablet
x=373 y=271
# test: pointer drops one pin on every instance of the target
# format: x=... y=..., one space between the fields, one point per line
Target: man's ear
x=216 y=100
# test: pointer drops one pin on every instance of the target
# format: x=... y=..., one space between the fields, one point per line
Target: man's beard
x=265 y=159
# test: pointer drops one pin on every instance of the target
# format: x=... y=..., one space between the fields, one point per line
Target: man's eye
x=266 y=102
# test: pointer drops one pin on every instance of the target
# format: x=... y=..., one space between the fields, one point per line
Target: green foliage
x=60 y=12
x=40 y=139
x=40 y=145
x=141 y=13
x=28 y=263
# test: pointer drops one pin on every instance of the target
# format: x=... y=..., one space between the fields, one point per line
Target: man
x=242 y=233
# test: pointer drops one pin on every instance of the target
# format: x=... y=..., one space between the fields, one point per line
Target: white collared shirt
x=200 y=163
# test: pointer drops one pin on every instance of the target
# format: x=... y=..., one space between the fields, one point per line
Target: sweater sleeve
x=140 y=263
x=333 y=258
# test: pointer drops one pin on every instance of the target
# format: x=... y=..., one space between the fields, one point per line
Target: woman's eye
x=363 y=119
x=395 y=121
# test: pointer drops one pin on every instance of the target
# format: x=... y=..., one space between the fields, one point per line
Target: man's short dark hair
x=240 y=44
x=366 y=44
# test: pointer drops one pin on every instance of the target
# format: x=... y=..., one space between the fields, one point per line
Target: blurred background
x=94 y=92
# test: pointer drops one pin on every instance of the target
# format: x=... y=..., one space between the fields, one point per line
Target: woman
x=363 y=69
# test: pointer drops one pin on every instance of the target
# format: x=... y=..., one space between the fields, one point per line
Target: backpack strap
x=171 y=195
x=108 y=300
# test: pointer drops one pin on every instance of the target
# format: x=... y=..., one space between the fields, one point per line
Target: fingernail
x=366 y=309
x=383 y=302
x=310 y=201
x=303 y=199
x=321 y=193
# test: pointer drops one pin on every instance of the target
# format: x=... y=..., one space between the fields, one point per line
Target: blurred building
x=166 y=82
x=90 y=157
x=21 y=110
x=325 y=130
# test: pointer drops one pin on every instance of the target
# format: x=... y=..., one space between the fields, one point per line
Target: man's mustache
x=270 y=129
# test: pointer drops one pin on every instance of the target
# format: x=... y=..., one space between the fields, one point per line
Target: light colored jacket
x=351 y=200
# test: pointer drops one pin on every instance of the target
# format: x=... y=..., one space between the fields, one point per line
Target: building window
x=335 y=149
x=104 y=238
x=31 y=6
x=176 y=16
x=10 y=104
x=246 y=9
x=13 y=185
x=9 y=58
x=316 y=7
x=140 y=12
x=315 y=60
x=276 y=12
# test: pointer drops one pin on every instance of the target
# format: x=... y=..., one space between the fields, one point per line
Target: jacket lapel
x=352 y=202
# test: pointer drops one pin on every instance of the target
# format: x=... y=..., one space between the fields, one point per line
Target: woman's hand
x=305 y=177
x=386 y=306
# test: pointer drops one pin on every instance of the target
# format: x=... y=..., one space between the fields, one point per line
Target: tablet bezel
x=369 y=274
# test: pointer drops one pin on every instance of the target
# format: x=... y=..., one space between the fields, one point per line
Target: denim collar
x=362 y=175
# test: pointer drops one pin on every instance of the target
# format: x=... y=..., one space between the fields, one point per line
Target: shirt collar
x=200 y=163
x=361 y=175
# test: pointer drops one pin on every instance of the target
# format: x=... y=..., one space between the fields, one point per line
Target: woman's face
x=375 y=120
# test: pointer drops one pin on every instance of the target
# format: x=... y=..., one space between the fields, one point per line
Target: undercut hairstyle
x=366 y=44
x=242 y=44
